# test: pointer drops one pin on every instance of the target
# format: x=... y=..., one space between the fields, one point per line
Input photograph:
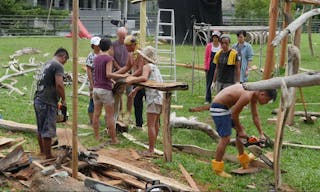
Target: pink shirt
x=207 y=55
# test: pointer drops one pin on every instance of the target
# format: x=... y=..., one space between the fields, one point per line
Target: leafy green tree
x=20 y=7
x=10 y=7
x=252 y=8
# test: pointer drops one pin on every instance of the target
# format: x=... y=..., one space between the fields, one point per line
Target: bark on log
x=298 y=80
x=292 y=27
x=182 y=122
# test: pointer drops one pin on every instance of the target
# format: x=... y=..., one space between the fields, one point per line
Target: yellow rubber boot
x=218 y=168
x=245 y=160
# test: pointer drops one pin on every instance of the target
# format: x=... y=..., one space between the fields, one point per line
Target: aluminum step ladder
x=166 y=46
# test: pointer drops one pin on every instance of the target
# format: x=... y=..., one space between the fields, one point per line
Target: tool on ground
x=252 y=140
x=154 y=185
x=62 y=115
x=257 y=151
x=308 y=118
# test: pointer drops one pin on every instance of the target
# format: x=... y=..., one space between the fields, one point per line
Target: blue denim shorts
x=221 y=116
x=46 y=116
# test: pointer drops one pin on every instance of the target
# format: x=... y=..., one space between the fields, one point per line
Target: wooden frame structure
x=292 y=79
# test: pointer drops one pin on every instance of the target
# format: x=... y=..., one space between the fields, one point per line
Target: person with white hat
x=209 y=66
x=153 y=96
x=94 y=43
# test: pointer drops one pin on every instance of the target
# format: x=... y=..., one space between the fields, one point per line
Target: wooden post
x=284 y=42
x=167 y=139
x=143 y=24
x=309 y=34
x=75 y=89
x=273 y=17
x=293 y=63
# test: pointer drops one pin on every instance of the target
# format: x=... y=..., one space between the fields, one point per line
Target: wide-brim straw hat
x=149 y=53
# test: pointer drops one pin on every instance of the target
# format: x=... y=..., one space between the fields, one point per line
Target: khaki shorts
x=154 y=108
x=102 y=96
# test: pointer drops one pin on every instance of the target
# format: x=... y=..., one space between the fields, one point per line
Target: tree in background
x=252 y=8
x=20 y=7
x=10 y=7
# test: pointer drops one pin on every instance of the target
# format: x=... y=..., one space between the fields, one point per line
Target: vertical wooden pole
x=292 y=67
x=284 y=42
x=309 y=34
x=75 y=89
x=273 y=17
x=143 y=23
x=167 y=140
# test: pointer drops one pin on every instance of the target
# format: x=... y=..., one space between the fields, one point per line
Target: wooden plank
x=4 y=141
x=162 y=86
x=249 y=170
x=64 y=134
x=141 y=173
x=12 y=157
x=126 y=178
x=301 y=146
x=191 y=182
x=132 y=139
x=24 y=174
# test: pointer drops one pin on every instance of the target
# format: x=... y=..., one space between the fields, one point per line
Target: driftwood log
x=292 y=27
x=182 y=122
x=299 y=80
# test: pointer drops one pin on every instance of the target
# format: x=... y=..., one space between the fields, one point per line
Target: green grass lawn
x=303 y=172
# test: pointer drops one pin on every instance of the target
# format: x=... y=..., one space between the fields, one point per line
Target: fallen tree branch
x=182 y=122
x=12 y=88
x=299 y=80
x=17 y=74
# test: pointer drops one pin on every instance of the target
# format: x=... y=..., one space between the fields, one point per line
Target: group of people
x=226 y=68
x=107 y=62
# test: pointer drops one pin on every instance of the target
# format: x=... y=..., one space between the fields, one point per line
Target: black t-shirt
x=226 y=73
x=46 y=85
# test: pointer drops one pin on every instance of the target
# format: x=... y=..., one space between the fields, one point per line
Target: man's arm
x=60 y=88
x=236 y=110
x=138 y=65
x=127 y=67
x=111 y=75
x=90 y=78
x=255 y=117
x=144 y=77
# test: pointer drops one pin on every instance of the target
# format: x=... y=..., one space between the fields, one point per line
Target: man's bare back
x=232 y=94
